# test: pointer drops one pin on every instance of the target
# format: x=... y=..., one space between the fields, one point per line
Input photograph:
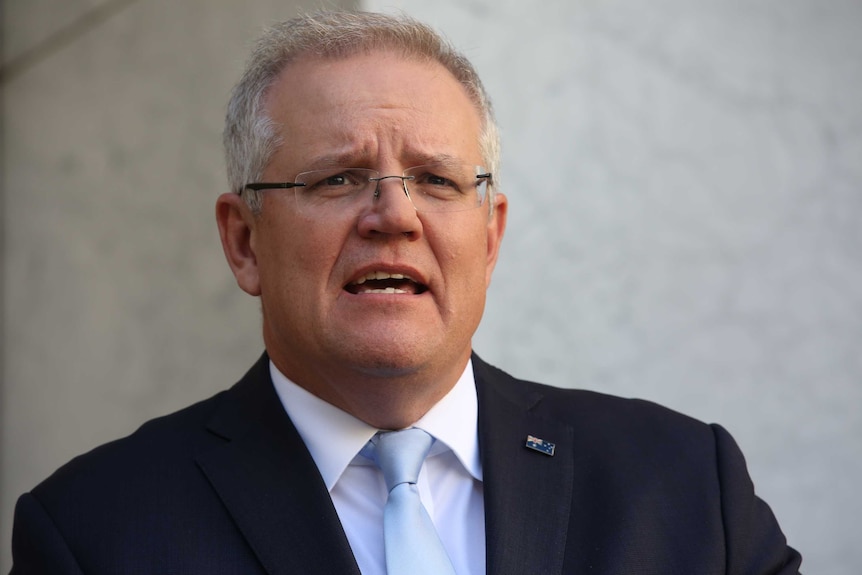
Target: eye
x=436 y=185
x=435 y=180
x=338 y=179
x=332 y=184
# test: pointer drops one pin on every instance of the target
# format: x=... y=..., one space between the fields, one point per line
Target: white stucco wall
x=685 y=182
x=685 y=185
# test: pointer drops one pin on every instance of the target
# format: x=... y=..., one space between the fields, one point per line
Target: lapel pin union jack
x=541 y=445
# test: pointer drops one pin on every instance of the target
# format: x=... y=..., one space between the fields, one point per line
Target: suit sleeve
x=755 y=543
x=38 y=548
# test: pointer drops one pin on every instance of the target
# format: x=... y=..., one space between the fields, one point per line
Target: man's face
x=387 y=113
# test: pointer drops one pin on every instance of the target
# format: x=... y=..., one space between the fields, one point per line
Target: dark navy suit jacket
x=227 y=486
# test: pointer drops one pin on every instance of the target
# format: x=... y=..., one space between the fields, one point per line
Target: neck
x=383 y=398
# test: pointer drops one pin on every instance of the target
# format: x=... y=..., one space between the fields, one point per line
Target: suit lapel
x=528 y=494
x=269 y=483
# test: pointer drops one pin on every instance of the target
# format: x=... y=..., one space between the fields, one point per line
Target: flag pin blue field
x=541 y=445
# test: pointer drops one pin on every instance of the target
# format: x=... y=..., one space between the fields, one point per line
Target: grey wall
x=685 y=181
x=685 y=193
x=118 y=303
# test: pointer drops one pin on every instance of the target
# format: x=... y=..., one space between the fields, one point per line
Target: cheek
x=463 y=258
x=300 y=256
x=280 y=252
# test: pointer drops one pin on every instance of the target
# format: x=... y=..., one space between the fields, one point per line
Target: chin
x=389 y=358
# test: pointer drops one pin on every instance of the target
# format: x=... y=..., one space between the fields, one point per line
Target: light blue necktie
x=411 y=543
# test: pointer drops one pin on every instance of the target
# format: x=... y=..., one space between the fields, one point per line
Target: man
x=361 y=152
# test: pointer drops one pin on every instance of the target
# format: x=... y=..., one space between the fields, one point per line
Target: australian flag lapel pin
x=541 y=445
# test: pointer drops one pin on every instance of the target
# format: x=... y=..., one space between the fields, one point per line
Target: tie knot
x=399 y=454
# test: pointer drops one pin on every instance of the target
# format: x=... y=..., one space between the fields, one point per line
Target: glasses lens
x=447 y=187
x=333 y=189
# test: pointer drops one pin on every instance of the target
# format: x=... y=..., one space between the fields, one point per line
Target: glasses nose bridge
x=393 y=177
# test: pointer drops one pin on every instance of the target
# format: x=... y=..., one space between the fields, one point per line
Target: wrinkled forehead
x=306 y=63
x=373 y=105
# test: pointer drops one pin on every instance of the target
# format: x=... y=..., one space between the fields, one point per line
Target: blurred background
x=685 y=180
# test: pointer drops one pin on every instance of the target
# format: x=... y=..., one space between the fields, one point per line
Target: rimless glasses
x=442 y=187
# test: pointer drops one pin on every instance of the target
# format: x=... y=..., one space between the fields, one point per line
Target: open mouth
x=385 y=282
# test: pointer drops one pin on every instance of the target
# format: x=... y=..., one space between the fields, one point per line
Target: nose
x=390 y=211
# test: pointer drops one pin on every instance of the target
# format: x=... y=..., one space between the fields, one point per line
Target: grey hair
x=251 y=137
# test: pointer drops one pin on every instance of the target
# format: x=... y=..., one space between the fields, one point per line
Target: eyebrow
x=445 y=159
x=352 y=159
x=333 y=160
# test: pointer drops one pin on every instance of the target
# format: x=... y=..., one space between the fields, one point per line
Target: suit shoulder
x=155 y=446
x=594 y=411
x=600 y=407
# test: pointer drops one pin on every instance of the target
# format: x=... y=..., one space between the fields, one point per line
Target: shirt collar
x=334 y=437
x=453 y=422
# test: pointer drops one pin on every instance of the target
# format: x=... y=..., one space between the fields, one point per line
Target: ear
x=496 y=228
x=236 y=225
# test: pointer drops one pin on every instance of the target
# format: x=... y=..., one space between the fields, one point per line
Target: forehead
x=368 y=105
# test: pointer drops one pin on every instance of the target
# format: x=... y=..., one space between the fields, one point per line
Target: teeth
x=381 y=276
x=385 y=290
